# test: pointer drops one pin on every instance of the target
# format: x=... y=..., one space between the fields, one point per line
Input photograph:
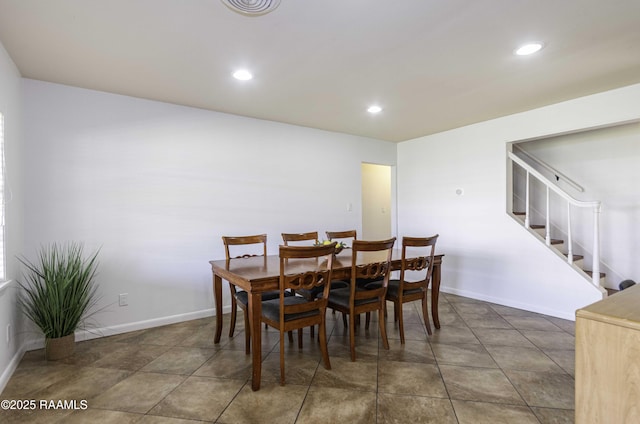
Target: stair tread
x=575 y=257
x=537 y=226
x=557 y=241
x=590 y=274
x=519 y=213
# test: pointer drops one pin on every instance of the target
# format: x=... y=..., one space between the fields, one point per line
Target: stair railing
x=593 y=205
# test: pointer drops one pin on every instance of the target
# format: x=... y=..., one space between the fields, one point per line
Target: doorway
x=378 y=208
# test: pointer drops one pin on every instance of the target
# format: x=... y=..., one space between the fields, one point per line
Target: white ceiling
x=431 y=64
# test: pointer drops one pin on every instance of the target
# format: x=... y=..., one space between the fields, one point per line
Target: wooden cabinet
x=608 y=360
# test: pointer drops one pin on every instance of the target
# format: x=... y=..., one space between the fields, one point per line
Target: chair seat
x=317 y=291
x=243 y=297
x=392 y=289
x=340 y=297
x=271 y=309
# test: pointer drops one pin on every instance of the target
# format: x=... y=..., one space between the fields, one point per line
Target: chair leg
x=234 y=311
x=344 y=320
x=425 y=315
x=247 y=333
x=322 y=333
x=352 y=336
x=383 y=329
x=282 y=355
x=313 y=330
x=367 y=320
x=395 y=311
x=398 y=307
x=290 y=336
x=299 y=338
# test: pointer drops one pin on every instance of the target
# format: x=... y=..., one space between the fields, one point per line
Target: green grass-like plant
x=59 y=288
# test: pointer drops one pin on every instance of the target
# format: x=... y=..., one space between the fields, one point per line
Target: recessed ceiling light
x=527 y=49
x=374 y=109
x=242 y=75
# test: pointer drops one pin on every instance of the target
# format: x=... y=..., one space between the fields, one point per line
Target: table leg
x=435 y=292
x=255 y=311
x=217 y=295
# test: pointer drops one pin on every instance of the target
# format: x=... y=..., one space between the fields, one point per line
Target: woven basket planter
x=60 y=348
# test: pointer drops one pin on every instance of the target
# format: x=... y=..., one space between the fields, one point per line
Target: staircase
x=534 y=212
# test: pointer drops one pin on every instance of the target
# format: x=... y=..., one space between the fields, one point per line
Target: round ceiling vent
x=252 y=7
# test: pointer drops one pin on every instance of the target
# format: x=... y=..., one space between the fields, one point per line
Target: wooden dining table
x=258 y=274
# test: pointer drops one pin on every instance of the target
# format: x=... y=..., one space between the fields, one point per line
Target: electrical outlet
x=123 y=300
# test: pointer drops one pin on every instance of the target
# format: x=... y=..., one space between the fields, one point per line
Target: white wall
x=156 y=185
x=488 y=255
x=10 y=107
x=606 y=163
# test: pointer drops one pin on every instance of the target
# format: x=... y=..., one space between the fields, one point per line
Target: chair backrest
x=421 y=259
x=297 y=237
x=339 y=235
x=244 y=241
x=296 y=273
x=363 y=267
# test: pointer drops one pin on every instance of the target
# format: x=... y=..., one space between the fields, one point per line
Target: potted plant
x=59 y=291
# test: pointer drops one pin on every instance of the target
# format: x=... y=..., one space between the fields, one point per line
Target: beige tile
x=130 y=357
x=152 y=419
x=271 y=404
x=138 y=393
x=231 y=364
x=566 y=359
x=453 y=335
x=335 y=405
x=27 y=380
x=412 y=351
x=485 y=321
x=450 y=319
x=531 y=323
x=479 y=384
x=474 y=309
x=179 y=360
x=299 y=367
x=102 y=416
x=547 y=390
x=412 y=331
x=550 y=339
x=402 y=409
x=502 y=337
x=85 y=384
x=522 y=358
x=366 y=348
x=410 y=378
x=33 y=416
x=566 y=325
x=508 y=311
x=199 y=398
x=491 y=413
x=474 y=355
x=344 y=374
x=554 y=416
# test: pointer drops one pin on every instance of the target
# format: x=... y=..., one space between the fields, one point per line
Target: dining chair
x=288 y=313
x=311 y=236
x=370 y=260
x=241 y=297
x=418 y=266
x=342 y=235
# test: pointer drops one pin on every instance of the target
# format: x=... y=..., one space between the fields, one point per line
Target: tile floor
x=487 y=364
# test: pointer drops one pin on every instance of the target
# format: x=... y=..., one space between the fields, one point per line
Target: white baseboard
x=508 y=302
x=10 y=369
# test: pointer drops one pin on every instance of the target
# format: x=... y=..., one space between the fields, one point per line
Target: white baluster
x=596 y=245
x=548 y=223
x=569 y=241
x=526 y=203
